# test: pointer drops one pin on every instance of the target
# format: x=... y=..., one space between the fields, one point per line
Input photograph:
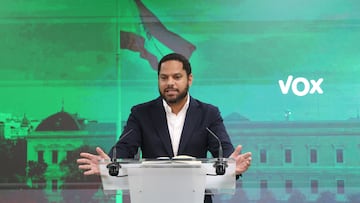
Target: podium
x=168 y=180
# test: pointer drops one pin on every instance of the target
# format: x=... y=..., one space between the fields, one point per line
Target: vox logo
x=301 y=86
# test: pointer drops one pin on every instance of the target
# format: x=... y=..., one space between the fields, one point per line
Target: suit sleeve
x=218 y=127
x=127 y=146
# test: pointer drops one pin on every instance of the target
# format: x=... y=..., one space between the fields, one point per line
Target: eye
x=163 y=77
x=177 y=77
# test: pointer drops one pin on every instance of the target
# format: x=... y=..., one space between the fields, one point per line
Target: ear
x=190 y=79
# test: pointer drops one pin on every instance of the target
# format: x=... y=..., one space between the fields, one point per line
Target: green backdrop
x=291 y=66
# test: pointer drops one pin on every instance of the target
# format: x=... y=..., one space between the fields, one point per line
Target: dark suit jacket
x=148 y=129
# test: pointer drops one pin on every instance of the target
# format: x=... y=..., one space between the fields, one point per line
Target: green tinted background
x=66 y=54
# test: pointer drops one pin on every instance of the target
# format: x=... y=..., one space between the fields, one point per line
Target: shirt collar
x=184 y=108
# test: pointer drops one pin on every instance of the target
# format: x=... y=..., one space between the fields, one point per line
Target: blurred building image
x=59 y=134
x=308 y=157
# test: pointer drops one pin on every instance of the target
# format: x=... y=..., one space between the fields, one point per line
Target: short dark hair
x=177 y=57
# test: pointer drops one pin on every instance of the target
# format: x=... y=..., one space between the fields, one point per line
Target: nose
x=170 y=82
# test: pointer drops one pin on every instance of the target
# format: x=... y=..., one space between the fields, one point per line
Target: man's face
x=173 y=81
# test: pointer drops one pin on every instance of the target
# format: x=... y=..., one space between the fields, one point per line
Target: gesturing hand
x=90 y=162
x=243 y=161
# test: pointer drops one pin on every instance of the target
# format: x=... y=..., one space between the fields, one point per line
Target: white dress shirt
x=175 y=123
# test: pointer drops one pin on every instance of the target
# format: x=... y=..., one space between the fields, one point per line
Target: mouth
x=170 y=91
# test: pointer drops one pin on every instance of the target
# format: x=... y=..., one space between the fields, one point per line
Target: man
x=173 y=124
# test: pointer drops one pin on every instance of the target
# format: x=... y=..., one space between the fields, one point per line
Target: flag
x=154 y=28
x=134 y=42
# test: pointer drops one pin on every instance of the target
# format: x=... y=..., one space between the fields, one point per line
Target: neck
x=176 y=107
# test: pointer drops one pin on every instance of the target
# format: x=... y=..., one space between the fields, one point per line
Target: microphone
x=115 y=166
x=220 y=164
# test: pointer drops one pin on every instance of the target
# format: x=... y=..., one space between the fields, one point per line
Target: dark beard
x=180 y=97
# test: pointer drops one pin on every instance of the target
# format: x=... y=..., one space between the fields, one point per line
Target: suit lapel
x=160 y=124
x=192 y=118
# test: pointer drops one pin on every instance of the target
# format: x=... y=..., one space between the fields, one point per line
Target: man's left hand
x=243 y=161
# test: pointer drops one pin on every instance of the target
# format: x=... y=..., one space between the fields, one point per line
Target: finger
x=85 y=167
x=247 y=155
x=101 y=153
x=89 y=173
x=83 y=161
x=88 y=155
x=92 y=171
x=236 y=152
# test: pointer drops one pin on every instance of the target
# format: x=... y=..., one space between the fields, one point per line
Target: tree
x=77 y=187
x=326 y=197
x=13 y=163
x=354 y=198
x=10 y=164
x=297 y=197
x=36 y=173
x=13 y=174
x=239 y=196
x=266 y=196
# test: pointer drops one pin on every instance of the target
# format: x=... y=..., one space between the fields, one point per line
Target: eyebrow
x=174 y=74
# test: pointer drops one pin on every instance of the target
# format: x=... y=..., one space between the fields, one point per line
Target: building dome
x=235 y=117
x=61 y=121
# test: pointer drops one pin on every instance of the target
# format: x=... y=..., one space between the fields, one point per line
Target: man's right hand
x=90 y=162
